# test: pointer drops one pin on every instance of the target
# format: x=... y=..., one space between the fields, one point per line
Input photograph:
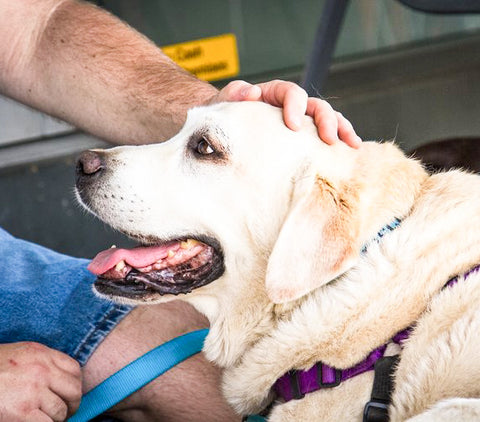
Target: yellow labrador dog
x=310 y=261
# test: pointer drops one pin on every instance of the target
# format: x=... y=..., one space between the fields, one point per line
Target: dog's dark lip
x=149 y=240
x=181 y=279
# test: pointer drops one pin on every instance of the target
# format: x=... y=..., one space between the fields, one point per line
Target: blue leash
x=139 y=373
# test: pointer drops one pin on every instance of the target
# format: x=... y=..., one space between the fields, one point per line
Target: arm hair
x=81 y=64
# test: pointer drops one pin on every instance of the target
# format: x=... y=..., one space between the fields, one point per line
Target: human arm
x=37 y=384
x=79 y=63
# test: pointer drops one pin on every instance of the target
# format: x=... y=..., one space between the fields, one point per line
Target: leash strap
x=137 y=374
x=376 y=410
x=254 y=418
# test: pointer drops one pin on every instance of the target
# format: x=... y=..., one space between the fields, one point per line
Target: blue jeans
x=47 y=297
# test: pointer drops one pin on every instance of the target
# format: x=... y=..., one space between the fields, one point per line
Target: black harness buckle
x=337 y=381
x=295 y=384
x=375 y=411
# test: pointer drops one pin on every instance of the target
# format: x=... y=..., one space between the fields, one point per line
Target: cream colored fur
x=292 y=215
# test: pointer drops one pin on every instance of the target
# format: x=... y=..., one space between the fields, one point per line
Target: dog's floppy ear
x=318 y=241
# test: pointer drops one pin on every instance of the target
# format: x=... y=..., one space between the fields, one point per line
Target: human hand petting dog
x=332 y=126
x=37 y=384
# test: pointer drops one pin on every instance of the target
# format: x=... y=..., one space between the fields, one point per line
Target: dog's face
x=211 y=198
x=234 y=195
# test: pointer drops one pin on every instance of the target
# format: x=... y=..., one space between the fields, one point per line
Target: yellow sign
x=209 y=59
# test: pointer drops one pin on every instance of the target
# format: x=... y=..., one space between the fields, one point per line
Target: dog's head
x=236 y=195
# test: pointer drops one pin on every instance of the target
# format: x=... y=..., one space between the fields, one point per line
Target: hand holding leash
x=37 y=384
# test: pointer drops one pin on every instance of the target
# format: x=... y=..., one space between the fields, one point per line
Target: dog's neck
x=235 y=326
x=239 y=313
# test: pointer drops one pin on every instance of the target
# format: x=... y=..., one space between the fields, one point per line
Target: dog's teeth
x=171 y=253
x=120 y=266
x=189 y=243
x=113 y=247
x=158 y=265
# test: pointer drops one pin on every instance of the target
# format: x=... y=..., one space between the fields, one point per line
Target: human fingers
x=332 y=126
x=37 y=416
x=346 y=132
x=288 y=95
x=53 y=406
x=325 y=119
x=238 y=91
x=65 y=362
x=50 y=372
x=68 y=388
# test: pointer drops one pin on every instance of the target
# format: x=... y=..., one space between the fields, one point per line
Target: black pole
x=324 y=45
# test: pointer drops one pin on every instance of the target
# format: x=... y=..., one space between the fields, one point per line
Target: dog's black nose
x=90 y=163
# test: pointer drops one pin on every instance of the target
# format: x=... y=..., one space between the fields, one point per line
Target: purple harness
x=296 y=383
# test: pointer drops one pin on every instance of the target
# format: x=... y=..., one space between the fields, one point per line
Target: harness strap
x=376 y=410
x=296 y=383
x=137 y=374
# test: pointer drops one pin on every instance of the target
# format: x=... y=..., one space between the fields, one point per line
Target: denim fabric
x=47 y=297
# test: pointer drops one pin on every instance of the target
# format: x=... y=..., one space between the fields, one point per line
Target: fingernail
x=246 y=91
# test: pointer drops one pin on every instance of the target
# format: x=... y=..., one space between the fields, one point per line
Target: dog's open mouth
x=176 y=267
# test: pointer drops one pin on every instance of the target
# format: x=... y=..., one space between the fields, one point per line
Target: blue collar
x=382 y=232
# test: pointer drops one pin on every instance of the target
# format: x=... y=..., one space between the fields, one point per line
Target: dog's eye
x=204 y=148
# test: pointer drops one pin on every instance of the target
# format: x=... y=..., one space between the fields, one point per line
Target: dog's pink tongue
x=137 y=257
